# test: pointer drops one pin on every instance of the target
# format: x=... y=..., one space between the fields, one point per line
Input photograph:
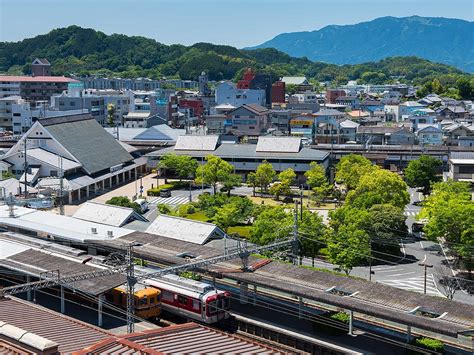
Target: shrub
x=340 y=317
x=191 y=275
x=124 y=201
x=156 y=190
x=430 y=344
x=163 y=209
x=190 y=209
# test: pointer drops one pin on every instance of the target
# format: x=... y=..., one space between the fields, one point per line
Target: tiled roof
x=256 y=108
x=88 y=142
x=189 y=338
x=68 y=333
x=37 y=79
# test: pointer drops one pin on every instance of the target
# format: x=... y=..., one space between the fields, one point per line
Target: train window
x=167 y=296
x=144 y=301
x=196 y=305
x=212 y=307
x=226 y=303
x=152 y=300
x=183 y=300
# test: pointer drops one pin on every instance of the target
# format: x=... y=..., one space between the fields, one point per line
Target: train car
x=147 y=300
x=192 y=299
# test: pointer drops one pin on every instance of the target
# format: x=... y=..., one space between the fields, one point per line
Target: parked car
x=165 y=193
x=142 y=203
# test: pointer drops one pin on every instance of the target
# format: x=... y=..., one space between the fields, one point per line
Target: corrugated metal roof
x=278 y=144
x=63 y=227
x=51 y=159
x=33 y=262
x=107 y=214
x=8 y=248
x=184 y=229
x=68 y=333
x=190 y=338
x=207 y=143
x=89 y=143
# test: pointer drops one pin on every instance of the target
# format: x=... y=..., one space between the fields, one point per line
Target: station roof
x=70 y=334
x=195 y=142
x=107 y=214
x=33 y=262
x=188 y=338
x=57 y=226
x=184 y=229
x=374 y=299
x=278 y=144
x=52 y=159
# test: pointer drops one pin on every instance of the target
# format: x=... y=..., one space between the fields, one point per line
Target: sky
x=239 y=23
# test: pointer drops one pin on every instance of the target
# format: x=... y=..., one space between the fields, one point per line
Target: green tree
x=272 y=223
x=351 y=168
x=252 y=181
x=216 y=170
x=124 y=201
x=283 y=186
x=312 y=234
x=184 y=166
x=436 y=86
x=466 y=88
x=450 y=214
x=317 y=180
x=422 y=172
x=4 y=175
x=264 y=175
x=379 y=187
x=226 y=216
x=232 y=181
x=111 y=115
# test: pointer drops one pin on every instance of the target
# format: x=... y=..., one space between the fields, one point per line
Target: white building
x=227 y=93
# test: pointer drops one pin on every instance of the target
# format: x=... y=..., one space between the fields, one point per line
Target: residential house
x=461 y=166
x=348 y=130
x=333 y=94
x=453 y=132
x=391 y=97
x=248 y=120
x=451 y=113
x=303 y=126
x=429 y=134
x=384 y=135
x=280 y=119
x=327 y=129
x=302 y=84
x=350 y=101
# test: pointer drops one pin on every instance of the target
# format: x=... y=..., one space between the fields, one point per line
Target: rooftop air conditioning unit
x=110 y=234
x=94 y=230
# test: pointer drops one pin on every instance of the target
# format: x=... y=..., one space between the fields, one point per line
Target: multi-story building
x=33 y=88
x=429 y=134
x=280 y=120
x=333 y=94
x=278 y=92
x=6 y=111
x=93 y=103
x=228 y=93
x=248 y=120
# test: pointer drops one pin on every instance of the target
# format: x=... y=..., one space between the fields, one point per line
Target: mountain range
x=442 y=40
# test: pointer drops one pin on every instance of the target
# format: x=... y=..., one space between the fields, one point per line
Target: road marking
x=422 y=247
x=177 y=200
x=406 y=273
x=387 y=270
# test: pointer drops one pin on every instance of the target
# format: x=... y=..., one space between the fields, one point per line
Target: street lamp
x=425 y=265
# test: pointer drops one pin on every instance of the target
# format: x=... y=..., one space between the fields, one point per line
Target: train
x=191 y=299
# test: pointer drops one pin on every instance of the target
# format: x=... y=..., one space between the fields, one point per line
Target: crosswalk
x=410 y=213
x=172 y=201
x=415 y=284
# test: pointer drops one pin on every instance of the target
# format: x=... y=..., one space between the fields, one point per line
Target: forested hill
x=442 y=40
x=80 y=51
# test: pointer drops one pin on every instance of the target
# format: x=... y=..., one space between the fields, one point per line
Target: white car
x=142 y=203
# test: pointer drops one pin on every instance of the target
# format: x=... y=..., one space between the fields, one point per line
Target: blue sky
x=235 y=22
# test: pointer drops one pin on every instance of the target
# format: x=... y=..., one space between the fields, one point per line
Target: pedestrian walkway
x=172 y=201
x=410 y=213
x=415 y=284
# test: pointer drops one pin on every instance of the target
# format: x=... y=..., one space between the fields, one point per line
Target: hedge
x=156 y=190
x=430 y=344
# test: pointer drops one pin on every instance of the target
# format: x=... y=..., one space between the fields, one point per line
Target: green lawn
x=198 y=216
x=243 y=231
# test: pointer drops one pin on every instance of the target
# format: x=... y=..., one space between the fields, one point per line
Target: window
x=53 y=173
x=143 y=301
x=152 y=300
x=182 y=300
x=196 y=305
x=212 y=307
x=72 y=103
x=167 y=296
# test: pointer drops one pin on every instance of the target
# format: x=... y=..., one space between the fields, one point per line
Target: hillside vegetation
x=80 y=51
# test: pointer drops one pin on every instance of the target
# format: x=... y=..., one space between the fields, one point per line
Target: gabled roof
x=87 y=141
x=329 y=112
x=195 y=142
x=107 y=214
x=42 y=61
x=278 y=144
x=349 y=124
x=295 y=80
x=254 y=108
x=52 y=159
x=159 y=133
x=184 y=229
x=428 y=127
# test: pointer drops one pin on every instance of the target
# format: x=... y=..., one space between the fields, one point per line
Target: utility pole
x=25 y=166
x=301 y=203
x=295 y=235
x=131 y=281
x=426 y=266
x=370 y=260
x=61 y=186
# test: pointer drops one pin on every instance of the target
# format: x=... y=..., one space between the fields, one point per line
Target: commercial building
x=248 y=120
x=461 y=166
x=77 y=148
x=281 y=152
x=228 y=93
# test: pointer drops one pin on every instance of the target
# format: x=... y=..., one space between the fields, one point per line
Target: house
x=453 y=132
x=303 y=126
x=384 y=135
x=461 y=166
x=429 y=134
x=350 y=101
x=333 y=94
x=248 y=120
x=280 y=119
x=451 y=113
x=300 y=82
x=348 y=130
x=391 y=97
x=77 y=148
x=307 y=97
x=327 y=128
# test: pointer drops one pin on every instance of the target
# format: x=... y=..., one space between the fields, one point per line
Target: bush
x=163 y=209
x=340 y=317
x=124 y=201
x=190 y=209
x=156 y=190
x=191 y=275
x=429 y=344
